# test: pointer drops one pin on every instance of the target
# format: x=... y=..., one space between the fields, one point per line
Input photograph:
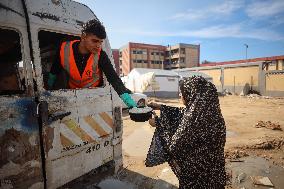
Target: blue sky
x=220 y=27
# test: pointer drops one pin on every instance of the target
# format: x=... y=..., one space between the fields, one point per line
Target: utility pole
x=170 y=56
x=246 y=45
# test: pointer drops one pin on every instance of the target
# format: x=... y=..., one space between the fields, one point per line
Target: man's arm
x=112 y=77
x=106 y=66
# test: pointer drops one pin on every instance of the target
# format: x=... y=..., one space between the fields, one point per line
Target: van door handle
x=58 y=115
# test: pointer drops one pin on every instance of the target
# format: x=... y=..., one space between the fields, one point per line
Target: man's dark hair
x=94 y=27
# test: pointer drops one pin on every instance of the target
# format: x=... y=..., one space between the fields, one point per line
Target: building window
x=139 y=52
x=157 y=53
x=140 y=61
x=156 y=62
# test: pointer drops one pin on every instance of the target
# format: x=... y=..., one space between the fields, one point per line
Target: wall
x=215 y=74
x=192 y=57
x=115 y=54
x=125 y=57
x=281 y=65
x=237 y=79
x=274 y=82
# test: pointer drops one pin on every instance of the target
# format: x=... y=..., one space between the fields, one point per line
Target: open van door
x=20 y=159
x=80 y=126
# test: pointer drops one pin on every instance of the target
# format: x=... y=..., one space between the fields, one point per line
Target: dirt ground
x=251 y=149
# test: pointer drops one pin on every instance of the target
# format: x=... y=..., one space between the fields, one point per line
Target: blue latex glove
x=130 y=103
x=51 y=80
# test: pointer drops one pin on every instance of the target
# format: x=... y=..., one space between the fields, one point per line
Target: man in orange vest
x=84 y=61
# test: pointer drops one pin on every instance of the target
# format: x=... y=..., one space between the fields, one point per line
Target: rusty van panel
x=20 y=161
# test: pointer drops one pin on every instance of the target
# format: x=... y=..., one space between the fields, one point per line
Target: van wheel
x=141 y=102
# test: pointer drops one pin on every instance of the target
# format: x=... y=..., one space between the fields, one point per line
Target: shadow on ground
x=124 y=179
x=143 y=182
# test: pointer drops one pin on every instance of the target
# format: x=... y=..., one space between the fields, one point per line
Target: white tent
x=153 y=82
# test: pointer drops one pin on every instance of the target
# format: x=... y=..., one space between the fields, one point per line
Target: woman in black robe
x=192 y=138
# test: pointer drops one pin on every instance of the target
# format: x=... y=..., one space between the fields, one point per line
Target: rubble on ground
x=268 y=125
x=235 y=154
x=253 y=96
x=226 y=92
x=268 y=144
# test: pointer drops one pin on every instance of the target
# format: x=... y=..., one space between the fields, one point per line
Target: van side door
x=20 y=159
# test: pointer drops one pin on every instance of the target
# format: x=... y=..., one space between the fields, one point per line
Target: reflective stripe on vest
x=91 y=77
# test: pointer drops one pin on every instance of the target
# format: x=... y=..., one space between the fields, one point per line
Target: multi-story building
x=182 y=56
x=140 y=55
x=115 y=54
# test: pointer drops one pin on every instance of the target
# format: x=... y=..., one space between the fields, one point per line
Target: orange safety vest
x=92 y=75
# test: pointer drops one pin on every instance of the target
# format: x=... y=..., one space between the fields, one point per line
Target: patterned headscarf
x=195 y=88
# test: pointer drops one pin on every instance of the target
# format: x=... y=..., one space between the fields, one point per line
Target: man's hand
x=154 y=105
x=126 y=98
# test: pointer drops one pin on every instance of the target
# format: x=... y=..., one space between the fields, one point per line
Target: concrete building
x=115 y=54
x=182 y=56
x=140 y=55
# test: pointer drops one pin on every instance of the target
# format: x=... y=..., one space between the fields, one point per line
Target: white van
x=50 y=137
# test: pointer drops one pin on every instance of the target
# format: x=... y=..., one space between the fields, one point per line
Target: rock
x=260 y=180
x=241 y=177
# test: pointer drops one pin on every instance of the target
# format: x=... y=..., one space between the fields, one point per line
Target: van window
x=49 y=44
x=11 y=65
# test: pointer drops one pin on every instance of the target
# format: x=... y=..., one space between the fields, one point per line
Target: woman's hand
x=154 y=105
x=152 y=122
